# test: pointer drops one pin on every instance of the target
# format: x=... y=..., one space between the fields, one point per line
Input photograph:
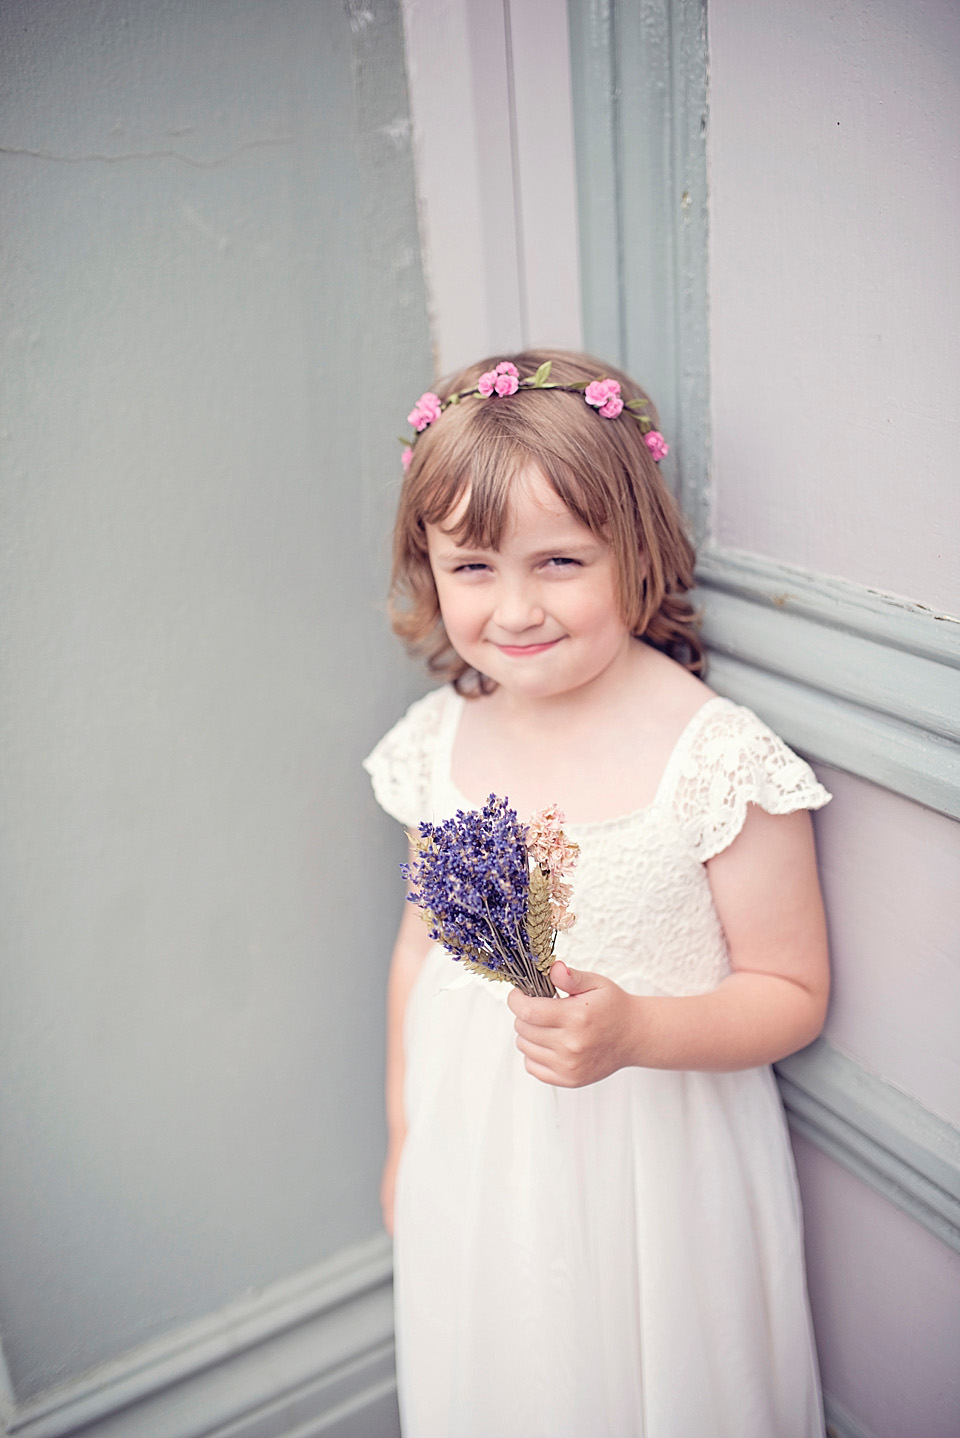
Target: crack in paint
x=150 y=155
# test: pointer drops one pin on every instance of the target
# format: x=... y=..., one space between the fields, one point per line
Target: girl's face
x=539 y=615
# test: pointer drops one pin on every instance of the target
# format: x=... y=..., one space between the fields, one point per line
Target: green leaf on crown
x=542 y=375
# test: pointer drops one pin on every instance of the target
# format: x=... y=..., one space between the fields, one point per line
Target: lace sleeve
x=734 y=760
x=400 y=766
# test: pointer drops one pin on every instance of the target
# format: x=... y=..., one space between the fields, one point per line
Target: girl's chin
x=532 y=682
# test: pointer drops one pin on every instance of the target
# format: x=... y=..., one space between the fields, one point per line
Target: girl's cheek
x=455 y=613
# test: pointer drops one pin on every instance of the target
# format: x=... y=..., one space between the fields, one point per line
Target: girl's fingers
x=536 y=1052
x=539 y=1013
x=552 y=1066
x=547 y=1075
x=537 y=1033
x=548 y=1068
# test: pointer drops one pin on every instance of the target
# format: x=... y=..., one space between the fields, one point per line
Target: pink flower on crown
x=406 y=459
x=604 y=395
x=425 y=411
x=656 y=444
x=503 y=380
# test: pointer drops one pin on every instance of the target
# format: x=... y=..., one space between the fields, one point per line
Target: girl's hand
x=581 y=1039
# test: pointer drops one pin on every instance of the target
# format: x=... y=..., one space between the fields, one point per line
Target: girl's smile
x=540 y=615
x=520 y=650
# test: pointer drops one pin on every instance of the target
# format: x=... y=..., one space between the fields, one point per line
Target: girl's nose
x=518 y=608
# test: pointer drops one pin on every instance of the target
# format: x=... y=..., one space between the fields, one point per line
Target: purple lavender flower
x=471 y=877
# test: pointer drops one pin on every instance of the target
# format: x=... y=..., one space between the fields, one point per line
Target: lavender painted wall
x=834 y=308
x=835 y=288
x=493 y=137
x=891 y=878
x=884 y=1294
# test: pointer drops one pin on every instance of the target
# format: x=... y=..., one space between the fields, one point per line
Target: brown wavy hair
x=600 y=468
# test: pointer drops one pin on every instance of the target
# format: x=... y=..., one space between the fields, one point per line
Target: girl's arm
x=409 y=952
x=773 y=1002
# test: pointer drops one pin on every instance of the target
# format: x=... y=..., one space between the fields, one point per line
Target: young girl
x=596 y=1215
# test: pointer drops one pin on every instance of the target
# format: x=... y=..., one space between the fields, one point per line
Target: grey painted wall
x=215 y=323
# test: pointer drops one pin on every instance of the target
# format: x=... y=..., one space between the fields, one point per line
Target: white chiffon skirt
x=618 y=1261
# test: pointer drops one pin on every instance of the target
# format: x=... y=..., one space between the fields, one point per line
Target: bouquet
x=494 y=892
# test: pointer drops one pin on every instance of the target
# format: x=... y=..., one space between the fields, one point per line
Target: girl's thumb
x=572 y=981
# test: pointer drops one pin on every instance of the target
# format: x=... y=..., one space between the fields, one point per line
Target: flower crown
x=504 y=379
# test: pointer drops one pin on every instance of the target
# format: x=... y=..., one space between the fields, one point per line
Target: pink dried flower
x=561 y=918
x=548 y=844
x=503 y=380
x=425 y=411
x=556 y=856
x=604 y=395
x=406 y=459
x=656 y=444
x=545 y=825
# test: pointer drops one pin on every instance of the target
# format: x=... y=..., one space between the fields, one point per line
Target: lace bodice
x=645 y=913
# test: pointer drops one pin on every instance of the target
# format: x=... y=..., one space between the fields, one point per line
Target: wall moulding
x=858 y=679
x=639 y=83
x=310 y=1355
x=840 y=1423
x=877 y=1132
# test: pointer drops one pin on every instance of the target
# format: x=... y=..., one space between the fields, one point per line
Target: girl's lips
x=526 y=650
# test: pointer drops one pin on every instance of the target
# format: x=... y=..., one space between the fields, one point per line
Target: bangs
x=481 y=490
x=479 y=479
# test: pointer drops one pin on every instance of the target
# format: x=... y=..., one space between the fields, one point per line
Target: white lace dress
x=623 y=1260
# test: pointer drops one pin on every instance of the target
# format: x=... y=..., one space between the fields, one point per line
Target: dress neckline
x=451 y=724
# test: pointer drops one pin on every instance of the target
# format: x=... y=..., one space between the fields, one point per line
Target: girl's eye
x=476 y=568
x=560 y=561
